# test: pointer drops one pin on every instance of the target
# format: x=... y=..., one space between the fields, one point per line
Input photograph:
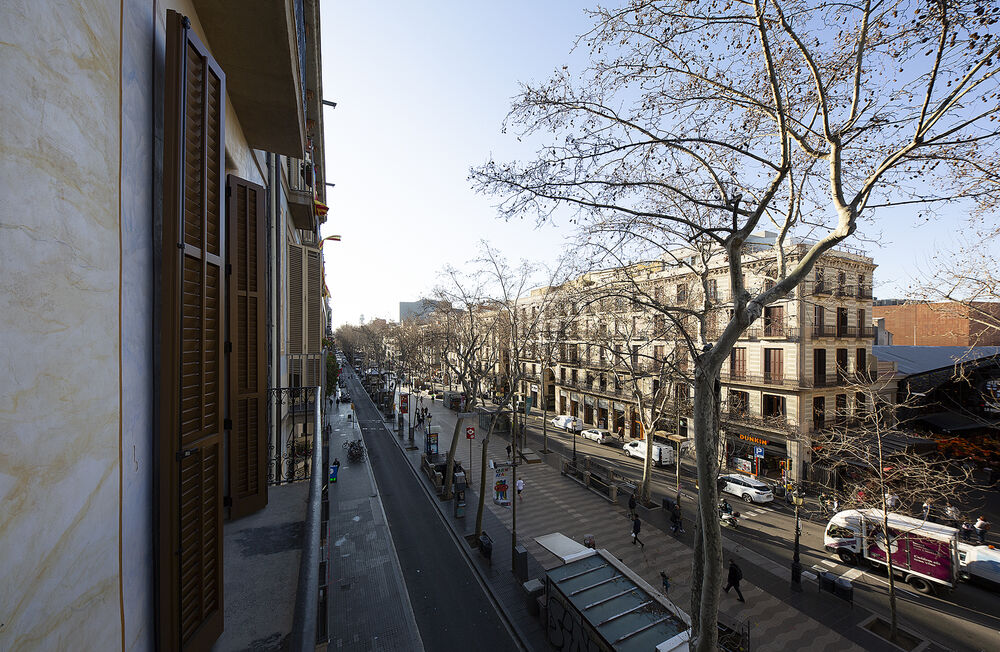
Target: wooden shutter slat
x=189 y=489
x=248 y=359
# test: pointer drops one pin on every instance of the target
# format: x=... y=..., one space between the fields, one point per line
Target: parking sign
x=758 y=451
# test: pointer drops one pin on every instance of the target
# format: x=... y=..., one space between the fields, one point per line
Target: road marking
x=808 y=575
x=853 y=574
x=828 y=563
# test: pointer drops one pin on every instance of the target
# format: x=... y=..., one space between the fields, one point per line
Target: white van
x=568 y=423
x=662 y=453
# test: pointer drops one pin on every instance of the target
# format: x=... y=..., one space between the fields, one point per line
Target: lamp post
x=796 y=565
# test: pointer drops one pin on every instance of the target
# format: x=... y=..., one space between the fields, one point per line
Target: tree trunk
x=482 y=485
x=449 y=470
x=705 y=600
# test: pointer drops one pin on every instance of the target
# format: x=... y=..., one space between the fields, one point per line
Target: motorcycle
x=729 y=517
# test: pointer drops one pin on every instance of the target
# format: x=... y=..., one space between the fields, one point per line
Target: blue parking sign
x=758 y=451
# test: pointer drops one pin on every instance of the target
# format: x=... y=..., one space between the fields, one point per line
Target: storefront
x=618 y=419
x=765 y=456
x=574 y=404
x=588 y=410
x=603 y=405
x=563 y=402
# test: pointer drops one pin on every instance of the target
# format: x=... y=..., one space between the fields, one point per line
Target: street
x=450 y=605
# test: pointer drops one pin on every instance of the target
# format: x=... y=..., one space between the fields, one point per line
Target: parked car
x=747 y=488
x=567 y=423
x=662 y=453
x=599 y=435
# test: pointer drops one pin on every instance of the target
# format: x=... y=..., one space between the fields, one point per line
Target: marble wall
x=60 y=405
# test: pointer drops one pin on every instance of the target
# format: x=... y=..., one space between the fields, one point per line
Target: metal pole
x=796 y=565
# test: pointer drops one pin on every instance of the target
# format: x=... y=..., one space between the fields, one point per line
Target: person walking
x=636 y=526
x=982 y=526
x=676 y=519
x=520 y=487
x=631 y=506
x=891 y=500
x=952 y=513
x=508 y=451
x=735 y=575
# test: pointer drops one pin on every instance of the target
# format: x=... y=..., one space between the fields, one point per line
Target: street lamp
x=796 y=565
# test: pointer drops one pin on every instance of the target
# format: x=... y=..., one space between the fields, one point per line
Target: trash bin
x=843 y=588
x=486 y=545
x=827 y=581
x=520 y=563
x=460 y=503
x=532 y=590
x=460 y=481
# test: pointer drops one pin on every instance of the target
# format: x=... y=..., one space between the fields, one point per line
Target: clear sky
x=421 y=91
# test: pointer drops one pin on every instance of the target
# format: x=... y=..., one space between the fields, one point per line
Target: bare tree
x=804 y=115
x=879 y=468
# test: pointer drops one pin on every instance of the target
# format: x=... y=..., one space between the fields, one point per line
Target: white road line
x=853 y=574
x=808 y=575
x=828 y=563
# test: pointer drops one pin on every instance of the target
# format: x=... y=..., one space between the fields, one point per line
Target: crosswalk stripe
x=828 y=563
x=852 y=574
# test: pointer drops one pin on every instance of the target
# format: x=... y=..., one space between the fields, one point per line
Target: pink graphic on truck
x=913 y=552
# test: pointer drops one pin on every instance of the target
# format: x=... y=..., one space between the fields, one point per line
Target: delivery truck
x=924 y=554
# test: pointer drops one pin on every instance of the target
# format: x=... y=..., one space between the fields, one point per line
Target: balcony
x=299 y=174
x=275 y=550
x=819 y=288
x=822 y=330
x=778 y=424
x=767 y=378
x=773 y=331
x=261 y=46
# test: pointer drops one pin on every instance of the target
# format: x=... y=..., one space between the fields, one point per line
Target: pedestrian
x=631 y=506
x=676 y=521
x=967 y=531
x=735 y=575
x=982 y=526
x=520 y=487
x=636 y=526
x=621 y=434
x=926 y=507
x=891 y=500
x=952 y=513
x=508 y=451
x=836 y=504
x=666 y=582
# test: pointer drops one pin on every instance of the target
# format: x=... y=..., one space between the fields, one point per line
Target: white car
x=749 y=489
x=662 y=454
x=599 y=435
x=568 y=423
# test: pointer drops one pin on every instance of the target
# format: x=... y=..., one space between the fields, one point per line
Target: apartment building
x=163 y=288
x=788 y=376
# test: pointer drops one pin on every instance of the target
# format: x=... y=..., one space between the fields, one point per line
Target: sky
x=421 y=91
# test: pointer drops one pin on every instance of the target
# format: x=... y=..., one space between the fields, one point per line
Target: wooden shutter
x=189 y=483
x=248 y=357
x=314 y=303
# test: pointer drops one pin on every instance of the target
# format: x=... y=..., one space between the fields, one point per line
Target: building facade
x=615 y=360
x=164 y=196
x=976 y=323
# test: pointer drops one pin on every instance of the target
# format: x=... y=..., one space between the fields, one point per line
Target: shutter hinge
x=227 y=424
x=187 y=452
x=180 y=245
x=228 y=347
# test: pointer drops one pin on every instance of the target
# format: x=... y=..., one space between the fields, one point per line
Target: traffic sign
x=470 y=432
x=758 y=451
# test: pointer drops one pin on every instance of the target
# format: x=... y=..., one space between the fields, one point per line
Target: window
x=819 y=367
x=842 y=329
x=820 y=286
x=773 y=406
x=658 y=293
x=840 y=412
x=659 y=325
x=841 y=365
x=841 y=282
x=680 y=356
x=861 y=363
x=635 y=356
x=562 y=375
x=738 y=363
x=819 y=412
x=713 y=289
x=658 y=354
x=773 y=365
x=682 y=293
x=860 y=409
x=739 y=402
x=774 y=321
x=682 y=391
x=573 y=376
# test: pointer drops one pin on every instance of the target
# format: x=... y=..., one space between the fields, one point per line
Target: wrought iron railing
x=293 y=433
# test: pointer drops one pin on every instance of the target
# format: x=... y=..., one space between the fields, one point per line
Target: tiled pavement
x=364 y=569
x=778 y=619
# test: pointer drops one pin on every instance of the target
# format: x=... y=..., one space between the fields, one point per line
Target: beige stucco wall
x=59 y=319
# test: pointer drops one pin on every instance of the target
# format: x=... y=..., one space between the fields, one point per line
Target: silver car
x=599 y=435
x=749 y=489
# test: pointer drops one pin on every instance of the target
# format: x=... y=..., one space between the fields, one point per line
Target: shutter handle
x=187 y=452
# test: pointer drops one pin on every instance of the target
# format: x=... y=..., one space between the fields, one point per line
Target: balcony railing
x=773 y=423
x=767 y=378
x=290 y=451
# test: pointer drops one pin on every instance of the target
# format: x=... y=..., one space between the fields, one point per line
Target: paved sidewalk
x=369 y=607
x=778 y=618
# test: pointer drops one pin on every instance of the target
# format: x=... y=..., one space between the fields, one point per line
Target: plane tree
x=721 y=118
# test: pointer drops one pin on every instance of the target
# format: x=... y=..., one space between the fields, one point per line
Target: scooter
x=729 y=517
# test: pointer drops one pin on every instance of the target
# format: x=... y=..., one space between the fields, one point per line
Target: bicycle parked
x=355 y=450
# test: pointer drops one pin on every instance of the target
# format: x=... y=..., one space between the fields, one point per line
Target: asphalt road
x=968 y=618
x=451 y=607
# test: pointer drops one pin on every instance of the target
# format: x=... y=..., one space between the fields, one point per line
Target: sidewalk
x=778 y=618
x=364 y=570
